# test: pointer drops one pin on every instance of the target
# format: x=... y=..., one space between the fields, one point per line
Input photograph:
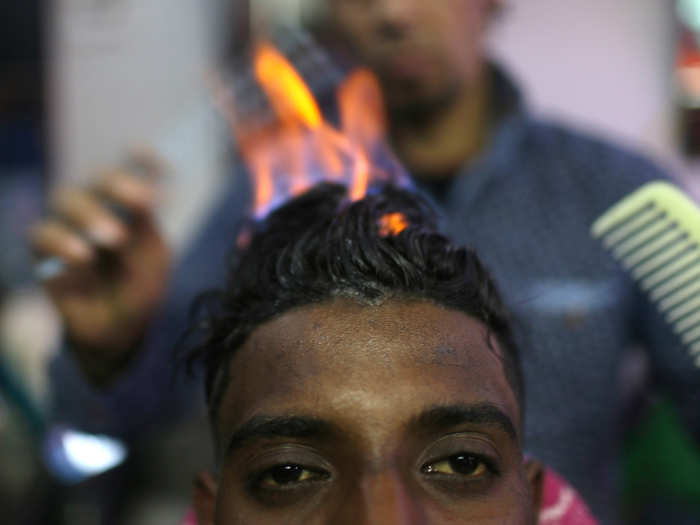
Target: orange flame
x=391 y=224
x=362 y=108
x=300 y=148
x=363 y=121
x=286 y=90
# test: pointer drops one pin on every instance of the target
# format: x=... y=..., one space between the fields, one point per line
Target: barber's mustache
x=383 y=54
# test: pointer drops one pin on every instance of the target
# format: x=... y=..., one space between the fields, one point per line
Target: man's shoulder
x=585 y=157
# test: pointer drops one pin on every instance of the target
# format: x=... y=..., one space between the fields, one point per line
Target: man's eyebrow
x=447 y=416
x=269 y=427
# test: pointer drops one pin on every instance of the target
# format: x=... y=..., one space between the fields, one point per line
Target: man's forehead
x=345 y=350
x=343 y=329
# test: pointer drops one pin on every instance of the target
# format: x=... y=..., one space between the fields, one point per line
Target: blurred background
x=83 y=81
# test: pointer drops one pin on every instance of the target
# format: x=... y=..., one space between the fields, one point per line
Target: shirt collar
x=507 y=128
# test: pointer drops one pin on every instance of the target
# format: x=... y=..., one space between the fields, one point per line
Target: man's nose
x=395 y=16
x=385 y=499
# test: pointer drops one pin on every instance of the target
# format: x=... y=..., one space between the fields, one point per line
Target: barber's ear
x=204 y=498
x=535 y=477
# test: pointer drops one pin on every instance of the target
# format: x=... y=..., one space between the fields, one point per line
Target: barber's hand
x=115 y=266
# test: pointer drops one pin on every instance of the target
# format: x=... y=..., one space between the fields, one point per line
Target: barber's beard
x=416 y=109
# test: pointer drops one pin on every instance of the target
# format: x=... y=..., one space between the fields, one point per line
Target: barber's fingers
x=91 y=217
x=54 y=238
x=128 y=194
x=145 y=161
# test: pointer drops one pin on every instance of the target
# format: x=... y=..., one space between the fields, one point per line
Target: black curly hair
x=321 y=246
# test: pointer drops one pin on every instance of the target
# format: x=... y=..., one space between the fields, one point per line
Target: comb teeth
x=655 y=234
x=695 y=350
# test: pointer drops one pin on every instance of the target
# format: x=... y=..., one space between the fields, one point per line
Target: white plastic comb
x=655 y=234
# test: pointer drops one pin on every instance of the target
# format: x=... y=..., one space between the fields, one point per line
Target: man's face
x=423 y=51
x=342 y=413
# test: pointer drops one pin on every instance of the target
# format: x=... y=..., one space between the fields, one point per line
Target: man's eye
x=287 y=476
x=468 y=465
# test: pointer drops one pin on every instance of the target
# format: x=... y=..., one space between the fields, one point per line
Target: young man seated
x=360 y=369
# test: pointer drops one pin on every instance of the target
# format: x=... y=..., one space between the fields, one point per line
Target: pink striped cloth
x=190 y=519
x=561 y=505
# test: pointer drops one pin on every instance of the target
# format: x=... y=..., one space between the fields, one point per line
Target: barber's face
x=422 y=50
x=346 y=414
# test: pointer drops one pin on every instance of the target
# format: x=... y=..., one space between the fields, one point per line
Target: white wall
x=119 y=70
x=130 y=73
x=603 y=65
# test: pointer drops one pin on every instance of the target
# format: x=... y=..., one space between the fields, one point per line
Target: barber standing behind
x=521 y=191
